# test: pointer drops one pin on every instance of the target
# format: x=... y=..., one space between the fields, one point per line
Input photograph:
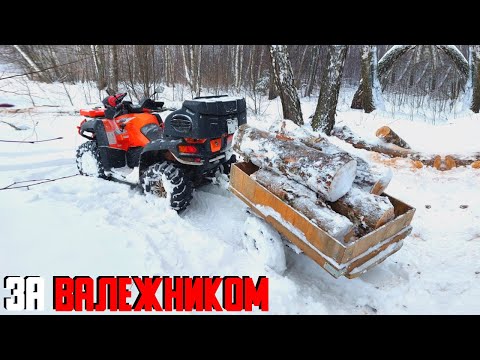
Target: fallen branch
x=41 y=181
x=13 y=126
x=31 y=142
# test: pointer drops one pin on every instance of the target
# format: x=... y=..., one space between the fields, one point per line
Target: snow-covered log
x=305 y=201
x=366 y=210
x=391 y=150
x=331 y=176
x=391 y=137
x=373 y=179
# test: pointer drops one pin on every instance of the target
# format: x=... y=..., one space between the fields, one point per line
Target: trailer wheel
x=264 y=244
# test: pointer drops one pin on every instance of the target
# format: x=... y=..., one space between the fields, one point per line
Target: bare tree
x=474 y=78
x=113 y=69
x=97 y=56
x=384 y=65
x=324 y=117
x=284 y=79
x=192 y=59
x=371 y=90
x=313 y=69
x=30 y=61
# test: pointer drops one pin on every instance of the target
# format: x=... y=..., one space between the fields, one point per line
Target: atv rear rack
x=338 y=259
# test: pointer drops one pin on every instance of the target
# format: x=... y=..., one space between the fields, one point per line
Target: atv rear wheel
x=169 y=181
x=88 y=159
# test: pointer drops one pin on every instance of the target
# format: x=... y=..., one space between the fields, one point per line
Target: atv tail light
x=195 y=141
x=216 y=145
x=187 y=149
x=229 y=139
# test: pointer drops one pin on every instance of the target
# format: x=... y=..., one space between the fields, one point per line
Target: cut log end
x=476 y=164
x=417 y=164
x=383 y=131
x=385 y=218
x=437 y=162
x=342 y=181
x=450 y=162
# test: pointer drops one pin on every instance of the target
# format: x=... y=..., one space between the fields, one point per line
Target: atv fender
x=87 y=126
x=96 y=129
x=156 y=151
x=110 y=157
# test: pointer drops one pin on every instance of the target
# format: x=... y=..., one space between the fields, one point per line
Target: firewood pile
x=337 y=191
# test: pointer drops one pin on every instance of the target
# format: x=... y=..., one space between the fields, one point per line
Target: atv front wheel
x=168 y=181
x=88 y=160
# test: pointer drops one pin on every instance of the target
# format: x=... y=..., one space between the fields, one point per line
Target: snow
x=89 y=226
x=457 y=136
x=264 y=243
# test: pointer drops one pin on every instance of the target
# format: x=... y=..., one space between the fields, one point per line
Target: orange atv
x=132 y=144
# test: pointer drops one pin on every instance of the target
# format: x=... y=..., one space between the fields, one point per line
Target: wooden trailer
x=350 y=260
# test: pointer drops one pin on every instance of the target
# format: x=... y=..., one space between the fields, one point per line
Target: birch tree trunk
x=283 y=75
x=33 y=65
x=113 y=69
x=192 y=60
x=99 y=68
x=324 y=117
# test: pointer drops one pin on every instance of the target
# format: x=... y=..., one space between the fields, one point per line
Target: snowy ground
x=88 y=226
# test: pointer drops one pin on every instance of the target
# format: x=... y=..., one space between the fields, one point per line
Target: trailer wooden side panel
x=338 y=259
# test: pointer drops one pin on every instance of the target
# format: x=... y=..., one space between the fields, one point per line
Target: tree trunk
x=283 y=75
x=99 y=68
x=384 y=65
x=389 y=136
x=331 y=176
x=305 y=201
x=313 y=69
x=324 y=117
x=457 y=58
x=475 y=79
x=366 y=210
x=113 y=69
x=33 y=65
x=367 y=79
x=272 y=87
